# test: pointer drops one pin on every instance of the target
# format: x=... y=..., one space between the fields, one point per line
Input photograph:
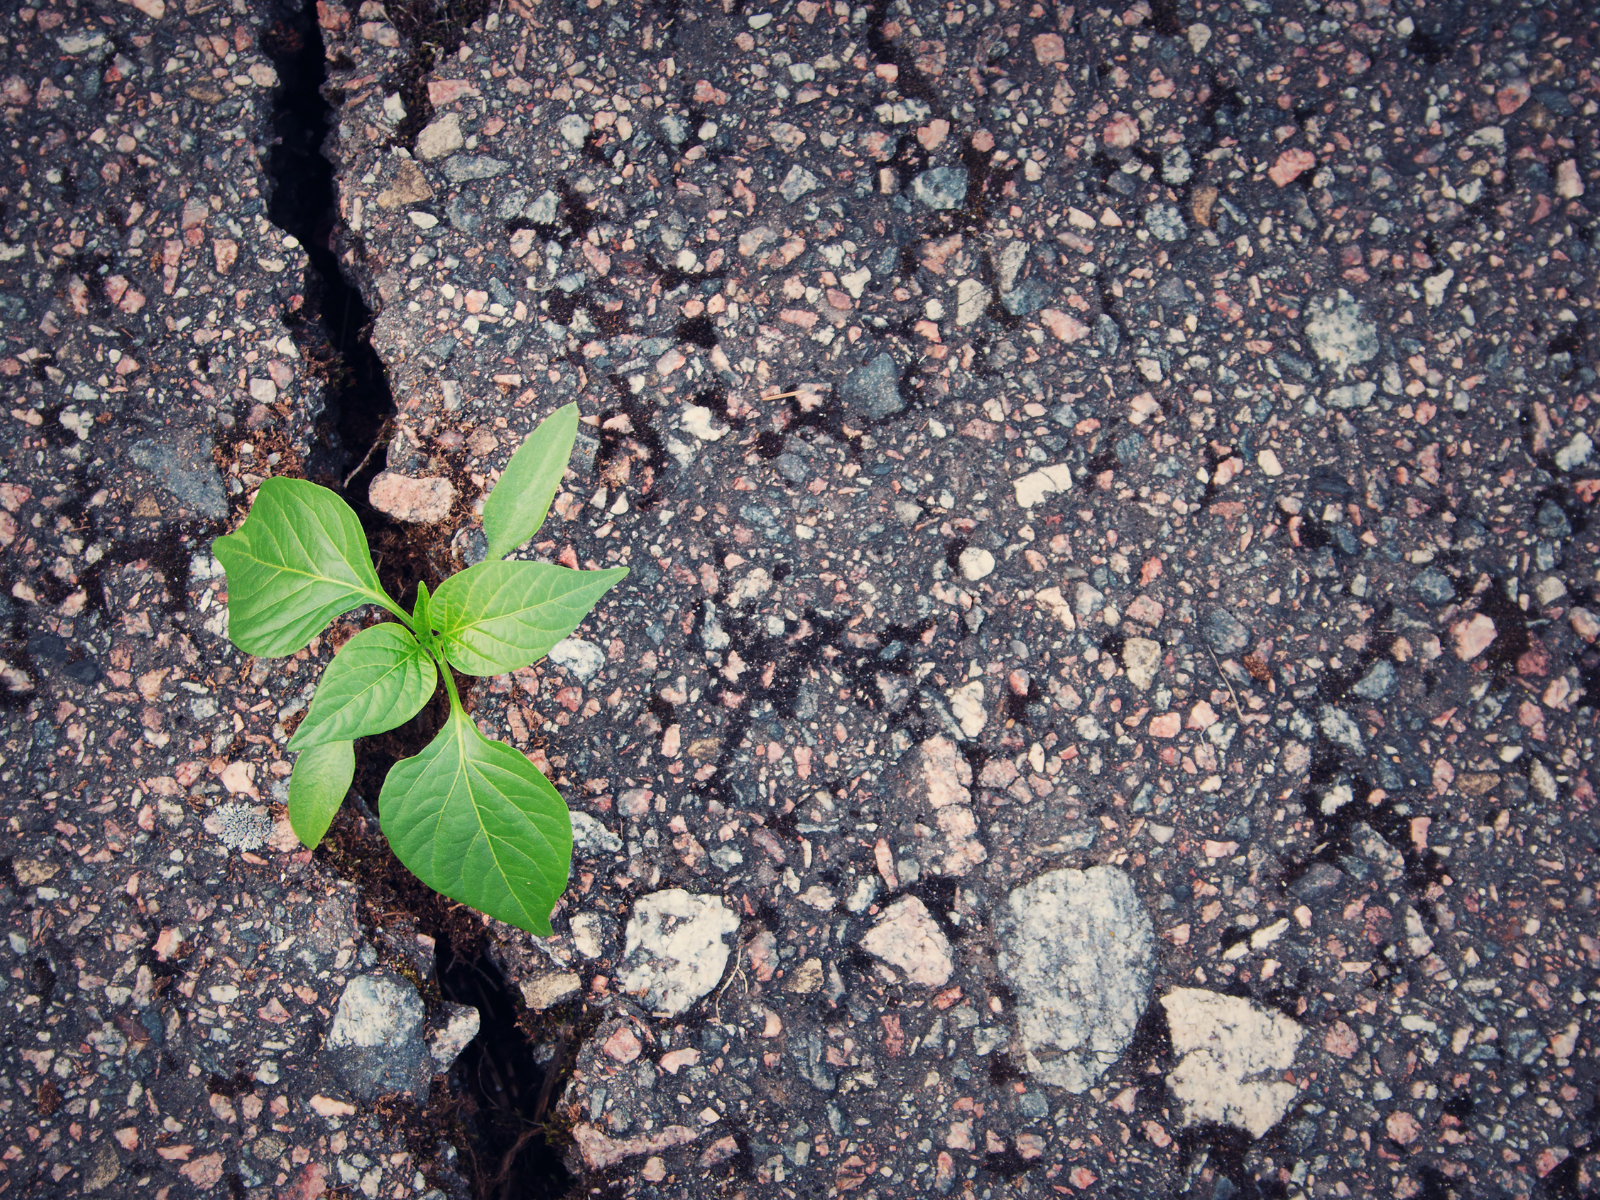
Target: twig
x=1227 y=683
x=367 y=457
x=781 y=395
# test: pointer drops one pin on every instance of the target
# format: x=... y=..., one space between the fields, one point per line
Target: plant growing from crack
x=469 y=816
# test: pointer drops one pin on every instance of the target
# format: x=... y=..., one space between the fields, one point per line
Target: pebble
x=1575 y=453
x=1434 y=587
x=1224 y=632
x=910 y=940
x=1339 y=729
x=376 y=1043
x=189 y=477
x=440 y=137
x=674 y=952
x=1339 y=333
x=941 y=188
x=1047 y=481
x=975 y=563
x=1141 y=658
x=591 y=838
x=797 y=183
x=406 y=498
x=460 y=1026
x=873 y=390
x=1232 y=1055
x=1377 y=682
x=966 y=704
x=1165 y=221
x=1078 y=948
x=573 y=130
x=1472 y=636
x=583 y=658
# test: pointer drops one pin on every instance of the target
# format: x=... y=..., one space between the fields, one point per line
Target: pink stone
x=1341 y=1041
x=420 y=501
x=1472 y=637
x=1402 y=1127
x=1584 y=624
x=1202 y=716
x=1064 y=326
x=1512 y=96
x=447 y=91
x=1291 y=165
x=1049 y=48
x=1120 y=132
x=1165 y=725
x=623 y=1045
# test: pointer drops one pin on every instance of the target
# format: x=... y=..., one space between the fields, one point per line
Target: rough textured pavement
x=1105 y=697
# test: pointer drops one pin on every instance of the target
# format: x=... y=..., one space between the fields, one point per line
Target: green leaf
x=496 y=617
x=516 y=508
x=317 y=787
x=380 y=679
x=299 y=560
x=476 y=821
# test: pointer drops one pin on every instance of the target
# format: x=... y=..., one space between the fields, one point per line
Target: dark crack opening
x=504 y=1095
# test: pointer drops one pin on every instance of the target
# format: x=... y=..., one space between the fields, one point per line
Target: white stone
x=673 y=950
x=1199 y=36
x=1338 y=332
x=1575 y=453
x=1046 y=481
x=591 y=837
x=1340 y=729
x=573 y=129
x=975 y=563
x=1078 y=948
x=909 y=939
x=460 y=1027
x=1269 y=464
x=441 y=137
x=697 y=420
x=1141 y=658
x=971 y=299
x=1231 y=1059
x=550 y=988
x=966 y=704
x=1433 y=287
x=583 y=658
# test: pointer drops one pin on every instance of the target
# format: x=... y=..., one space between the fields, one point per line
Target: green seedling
x=469 y=816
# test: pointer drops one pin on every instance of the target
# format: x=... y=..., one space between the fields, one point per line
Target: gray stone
x=1434 y=587
x=240 y=826
x=583 y=658
x=674 y=950
x=1025 y=299
x=1224 y=632
x=797 y=183
x=463 y=168
x=1339 y=334
x=190 y=477
x=1353 y=395
x=1165 y=222
x=942 y=187
x=1319 y=879
x=376 y=1045
x=1377 y=682
x=1175 y=166
x=874 y=390
x=543 y=210
x=1340 y=729
x=1078 y=947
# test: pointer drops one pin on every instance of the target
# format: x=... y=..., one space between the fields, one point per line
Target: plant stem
x=449 y=684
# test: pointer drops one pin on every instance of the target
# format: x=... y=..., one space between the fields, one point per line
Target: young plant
x=469 y=816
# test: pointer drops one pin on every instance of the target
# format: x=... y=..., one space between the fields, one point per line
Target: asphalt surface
x=1105 y=696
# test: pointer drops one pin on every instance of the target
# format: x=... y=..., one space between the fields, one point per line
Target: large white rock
x=1339 y=333
x=673 y=950
x=907 y=937
x=375 y=1044
x=1078 y=947
x=1231 y=1059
